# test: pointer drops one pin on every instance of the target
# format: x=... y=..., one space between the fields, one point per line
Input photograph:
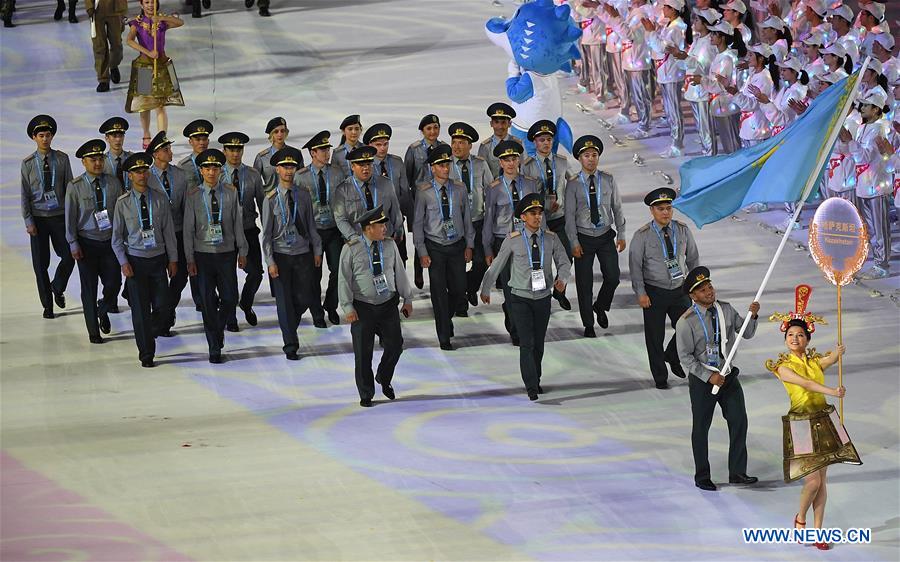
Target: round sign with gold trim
x=838 y=240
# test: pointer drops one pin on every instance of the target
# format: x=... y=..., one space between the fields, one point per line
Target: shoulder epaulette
x=352 y=241
x=123 y=196
x=514 y=233
x=643 y=228
x=194 y=190
x=687 y=312
x=528 y=160
x=515 y=138
x=271 y=193
x=423 y=186
x=476 y=158
x=563 y=156
x=495 y=183
x=678 y=222
x=486 y=141
x=414 y=144
x=263 y=151
x=457 y=183
x=230 y=186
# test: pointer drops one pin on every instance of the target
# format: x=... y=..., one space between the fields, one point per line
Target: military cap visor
x=463 y=131
x=507 y=148
x=159 y=141
x=211 y=157
x=500 y=110
x=661 y=195
x=321 y=140
x=528 y=203
x=200 y=127
x=376 y=132
x=137 y=161
x=587 y=142
x=542 y=127
x=373 y=216
x=361 y=155
x=440 y=155
x=698 y=276
x=114 y=125
x=95 y=147
x=287 y=156
x=234 y=139
x=41 y=123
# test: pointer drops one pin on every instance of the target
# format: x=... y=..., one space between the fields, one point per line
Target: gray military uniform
x=517 y=252
x=262 y=164
x=82 y=204
x=109 y=166
x=480 y=178
x=416 y=162
x=578 y=207
x=35 y=203
x=127 y=238
x=356 y=282
x=250 y=193
x=308 y=179
x=177 y=190
x=692 y=342
x=279 y=226
x=396 y=173
x=647 y=259
x=191 y=171
x=499 y=204
x=339 y=157
x=486 y=152
x=429 y=221
x=350 y=204
x=534 y=166
x=197 y=221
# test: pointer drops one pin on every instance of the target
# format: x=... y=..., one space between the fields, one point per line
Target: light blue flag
x=776 y=169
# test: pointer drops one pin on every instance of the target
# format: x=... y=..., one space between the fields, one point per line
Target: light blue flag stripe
x=777 y=169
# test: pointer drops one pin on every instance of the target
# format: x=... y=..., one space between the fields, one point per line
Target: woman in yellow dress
x=814 y=436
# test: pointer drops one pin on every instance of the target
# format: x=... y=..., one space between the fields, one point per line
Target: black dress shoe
x=250 y=316
x=540 y=389
x=96 y=339
x=473 y=298
x=7 y=22
x=602 y=320
x=742 y=479
x=388 y=391
x=198 y=308
x=264 y=12
x=167 y=333
x=334 y=317
x=662 y=385
x=196 y=13
x=114 y=309
x=706 y=485
x=419 y=281
x=232 y=327
x=248 y=3
x=103 y=87
x=562 y=300
x=589 y=332
x=105 y=325
x=515 y=341
x=292 y=356
x=446 y=346
x=532 y=394
x=320 y=323
x=60 y=8
x=48 y=314
x=59 y=299
x=148 y=363
x=73 y=18
x=114 y=75
x=207 y=4
x=365 y=403
x=216 y=359
x=462 y=314
x=677 y=370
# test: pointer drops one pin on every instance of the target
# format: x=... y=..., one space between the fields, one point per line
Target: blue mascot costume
x=541 y=40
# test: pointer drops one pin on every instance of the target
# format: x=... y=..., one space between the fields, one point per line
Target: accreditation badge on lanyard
x=51 y=201
x=447 y=225
x=290 y=229
x=712 y=346
x=148 y=235
x=214 y=233
x=380 y=280
x=100 y=217
x=538 y=279
x=672 y=265
x=517 y=222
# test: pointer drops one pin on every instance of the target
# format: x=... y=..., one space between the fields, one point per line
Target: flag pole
x=823 y=156
x=840 y=357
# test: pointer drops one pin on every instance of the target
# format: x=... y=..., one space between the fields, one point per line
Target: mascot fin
x=563 y=136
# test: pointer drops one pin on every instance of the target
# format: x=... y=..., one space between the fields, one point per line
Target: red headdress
x=801 y=300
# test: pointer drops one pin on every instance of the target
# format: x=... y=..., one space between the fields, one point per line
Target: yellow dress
x=813 y=434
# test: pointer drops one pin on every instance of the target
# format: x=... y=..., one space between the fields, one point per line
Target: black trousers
x=254 y=268
x=603 y=248
x=530 y=317
x=217 y=278
x=148 y=291
x=294 y=292
x=475 y=275
x=503 y=280
x=447 y=277
x=703 y=405
x=98 y=264
x=383 y=319
x=558 y=227
x=332 y=243
x=663 y=303
x=50 y=230
x=177 y=283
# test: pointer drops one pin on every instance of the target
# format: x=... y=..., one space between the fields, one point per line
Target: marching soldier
x=213 y=227
x=660 y=253
x=552 y=170
x=90 y=204
x=320 y=179
x=249 y=185
x=362 y=191
x=351 y=129
x=501 y=115
x=172 y=181
x=444 y=238
x=529 y=254
x=372 y=281
x=113 y=129
x=277 y=131
x=292 y=246
x=145 y=246
x=593 y=206
x=704 y=334
x=107 y=17
x=500 y=219
x=45 y=175
x=417 y=170
x=475 y=175
x=391 y=167
x=197 y=133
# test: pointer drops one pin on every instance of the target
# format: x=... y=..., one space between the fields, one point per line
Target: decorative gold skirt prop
x=145 y=92
x=813 y=441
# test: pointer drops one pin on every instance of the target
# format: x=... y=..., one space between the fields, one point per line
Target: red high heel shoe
x=146 y=142
x=822 y=545
x=801 y=525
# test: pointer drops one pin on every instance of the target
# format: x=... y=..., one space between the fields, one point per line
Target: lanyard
x=372 y=258
x=425 y=148
x=40 y=169
x=112 y=166
x=315 y=174
x=284 y=215
x=587 y=191
x=437 y=194
x=196 y=168
x=390 y=167
x=703 y=324
x=205 y=204
x=459 y=172
x=137 y=206
x=94 y=191
x=371 y=188
x=158 y=177
x=527 y=240
x=509 y=193
x=663 y=242
x=543 y=169
x=241 y=174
